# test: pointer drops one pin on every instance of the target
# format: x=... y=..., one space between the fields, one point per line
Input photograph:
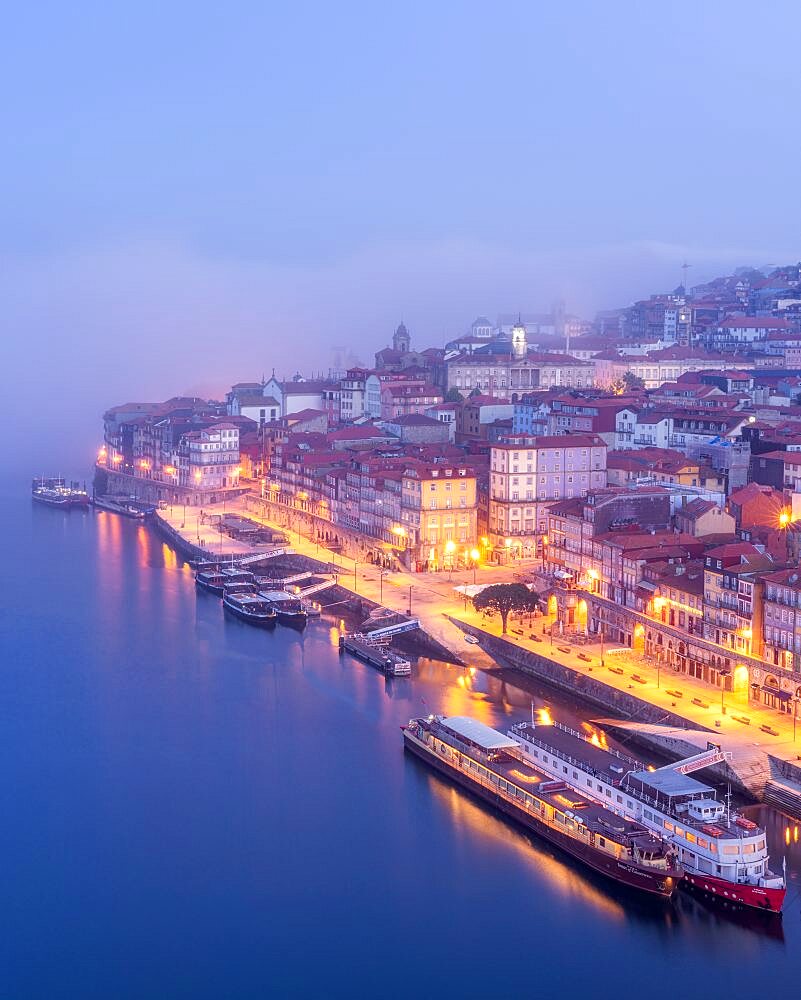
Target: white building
x=209 y=459
x=353 y=394
x=262 y=409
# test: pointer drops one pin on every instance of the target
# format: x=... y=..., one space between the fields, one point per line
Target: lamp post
x=723 y=675
x=450 y=548
x=475 y=555
x=795 y=714
x=410 y=600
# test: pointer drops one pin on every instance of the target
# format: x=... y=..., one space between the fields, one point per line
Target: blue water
x=193 y=808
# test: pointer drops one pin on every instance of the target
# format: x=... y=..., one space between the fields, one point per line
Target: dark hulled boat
x=289 y=609
x=491 y=765
x=216 y=579
x=250 y=608
x=211 y=580
x=138 y=510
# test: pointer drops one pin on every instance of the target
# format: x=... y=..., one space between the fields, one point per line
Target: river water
x=194 y=808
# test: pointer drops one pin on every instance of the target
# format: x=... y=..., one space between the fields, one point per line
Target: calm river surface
x=193 y=808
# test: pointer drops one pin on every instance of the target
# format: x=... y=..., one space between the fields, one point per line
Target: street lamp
x=450 y=548
x=475 y=555
x=723 y=675
x=795 y=713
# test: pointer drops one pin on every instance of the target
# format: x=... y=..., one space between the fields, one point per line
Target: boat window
x=713 y=847
x=575 y=774
x=749 y=848
x=702 y=842
x=589 y=783
x=602 y=842
x=646 y=812
x=731 y=849
x=761 y=844
x=691 y=837
x=545 y=757
x=619 y=798
x=669 y=825
x=564 y=769
x=600 y=788
x=608 y=794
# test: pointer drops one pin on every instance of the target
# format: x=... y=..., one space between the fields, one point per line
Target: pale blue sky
x=232 y=187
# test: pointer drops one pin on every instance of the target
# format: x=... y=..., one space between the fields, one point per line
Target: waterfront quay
x=621 y=680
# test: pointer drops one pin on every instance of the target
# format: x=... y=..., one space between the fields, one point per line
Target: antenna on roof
x=684 y=268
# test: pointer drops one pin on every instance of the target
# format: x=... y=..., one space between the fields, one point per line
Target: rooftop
x=479 y=734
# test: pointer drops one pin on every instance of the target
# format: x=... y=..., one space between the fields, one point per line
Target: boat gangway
x=408 y=625
x=259 y=556
x=315 y=588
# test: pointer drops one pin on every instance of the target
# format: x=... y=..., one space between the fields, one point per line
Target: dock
x=376 y=654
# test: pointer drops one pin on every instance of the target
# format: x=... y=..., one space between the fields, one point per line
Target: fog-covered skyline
x=196 y=195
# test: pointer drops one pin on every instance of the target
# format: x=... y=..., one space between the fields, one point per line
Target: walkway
x=432 y=598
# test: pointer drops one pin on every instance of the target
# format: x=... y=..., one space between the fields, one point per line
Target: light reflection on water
x=174 y=772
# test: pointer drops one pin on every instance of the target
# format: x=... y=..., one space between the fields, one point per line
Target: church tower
x=519 y=344
x=401 y=339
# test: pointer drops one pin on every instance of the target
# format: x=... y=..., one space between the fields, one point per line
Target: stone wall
x=108 y=481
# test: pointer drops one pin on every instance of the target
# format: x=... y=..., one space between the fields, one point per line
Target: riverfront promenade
x=440 y=607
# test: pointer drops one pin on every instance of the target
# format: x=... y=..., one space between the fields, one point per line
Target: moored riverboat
x=54 y=492
x=493 y=767
x=723 y=854
x=137 y=510
x=250 y=608
x=289 y=609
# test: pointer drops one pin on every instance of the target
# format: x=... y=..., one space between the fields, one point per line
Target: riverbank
x=766 y=757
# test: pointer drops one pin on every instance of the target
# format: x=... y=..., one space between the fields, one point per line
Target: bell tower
x=401 y=339
x=519 y=343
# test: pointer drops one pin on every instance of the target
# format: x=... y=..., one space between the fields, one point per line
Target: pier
x=376 y=654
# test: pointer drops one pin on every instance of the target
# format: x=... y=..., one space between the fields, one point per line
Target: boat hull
x=111 y=508
x=755 y=896
x=64 y=503
x=259 y=621
x=293 y=619
x=652 y=883
x=210 y=588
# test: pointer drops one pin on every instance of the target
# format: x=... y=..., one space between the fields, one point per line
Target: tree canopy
x=505 y=598
x=453 y=395
x=632 y=381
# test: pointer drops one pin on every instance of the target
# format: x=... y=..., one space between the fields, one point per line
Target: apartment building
x=439 y=514
x=527 y=474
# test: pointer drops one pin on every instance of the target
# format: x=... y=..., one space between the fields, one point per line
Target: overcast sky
x=195 y=193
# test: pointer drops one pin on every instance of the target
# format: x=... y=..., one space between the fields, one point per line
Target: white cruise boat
x=721 y=852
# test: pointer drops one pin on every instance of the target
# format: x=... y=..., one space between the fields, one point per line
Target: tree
x=505 y=598
x=474 y=392
x=632 y=381
x=453 y=395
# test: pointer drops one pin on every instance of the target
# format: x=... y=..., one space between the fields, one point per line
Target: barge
x=376 y=654
x=138 y=510
x=723 y=854
x=249 y=608
x=289 y=609
x=492 y=766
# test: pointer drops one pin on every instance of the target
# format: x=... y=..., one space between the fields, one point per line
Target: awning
x=781 y=695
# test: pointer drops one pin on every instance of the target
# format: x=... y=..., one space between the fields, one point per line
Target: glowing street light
x=475 y=555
